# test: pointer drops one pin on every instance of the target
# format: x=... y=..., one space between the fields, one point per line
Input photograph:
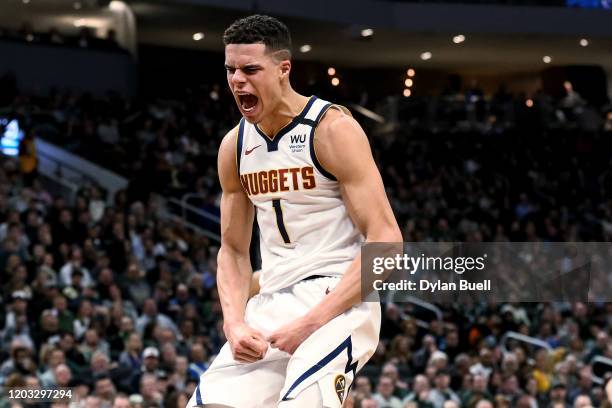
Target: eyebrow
x=247 y=66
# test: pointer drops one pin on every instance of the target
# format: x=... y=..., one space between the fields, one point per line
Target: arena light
x=77 y=5
x=426 y=55
x=305 y=48
x=529 y=103
x=367 y=32
x=26 y=1
x=335 y=81
x=407 y=92
x=198 y=36
x=117 y=6
x=458 y=39
x=547 y=59
x=408 y=82
x=331 y=71
x=584 y=42
x=411 y=72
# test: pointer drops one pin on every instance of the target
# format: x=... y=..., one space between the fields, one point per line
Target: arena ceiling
x=173 y=23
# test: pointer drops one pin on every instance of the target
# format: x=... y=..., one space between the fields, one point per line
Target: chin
x=253 y=118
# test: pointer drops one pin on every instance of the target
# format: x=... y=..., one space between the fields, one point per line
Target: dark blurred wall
x=38 y=66
x=425 y=16
x=165 y=71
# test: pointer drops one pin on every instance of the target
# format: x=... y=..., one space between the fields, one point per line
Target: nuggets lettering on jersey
x=304 y=225
x=275 y=180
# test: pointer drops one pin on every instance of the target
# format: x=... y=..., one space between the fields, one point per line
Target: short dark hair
x=259 y=29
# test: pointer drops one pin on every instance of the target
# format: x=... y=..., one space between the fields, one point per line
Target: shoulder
x=340 y=141
x=227 y=161
x=229 y=141
x=335 y=115
x=337 y=127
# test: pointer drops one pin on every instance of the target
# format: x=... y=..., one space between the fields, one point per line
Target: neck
x=290 y=105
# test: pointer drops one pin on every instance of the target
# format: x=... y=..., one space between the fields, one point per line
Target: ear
x=285 y=68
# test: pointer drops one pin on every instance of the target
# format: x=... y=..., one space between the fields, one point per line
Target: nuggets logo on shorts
x=340 y=385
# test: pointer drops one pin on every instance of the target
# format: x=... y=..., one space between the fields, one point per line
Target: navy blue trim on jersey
x=313 y=154
x=198 y=396
x=239 y=144
x=350 y=365
x=272 y=143
x=308 y=122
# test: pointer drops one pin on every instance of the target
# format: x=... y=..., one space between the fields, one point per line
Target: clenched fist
x=247 y=344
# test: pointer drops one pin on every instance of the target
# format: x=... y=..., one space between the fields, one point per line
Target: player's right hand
x=247 y=344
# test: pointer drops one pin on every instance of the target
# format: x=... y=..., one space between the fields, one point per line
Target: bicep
x=366 y=200
x=236 y=220
x=237 y=212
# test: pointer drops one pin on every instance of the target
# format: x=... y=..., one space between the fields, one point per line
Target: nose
x=238 y=77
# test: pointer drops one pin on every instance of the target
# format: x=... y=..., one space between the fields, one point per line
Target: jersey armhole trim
x=239 y=140
x=313 y=153
x=342 y=109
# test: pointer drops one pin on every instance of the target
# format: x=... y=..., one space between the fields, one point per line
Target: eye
x=230 y=70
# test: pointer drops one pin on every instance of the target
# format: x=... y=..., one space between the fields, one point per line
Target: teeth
x=243 y=104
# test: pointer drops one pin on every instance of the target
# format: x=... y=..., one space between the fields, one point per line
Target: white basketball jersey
x=304 y=225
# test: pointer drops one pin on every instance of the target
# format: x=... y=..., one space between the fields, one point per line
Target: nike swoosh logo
x=249 y=151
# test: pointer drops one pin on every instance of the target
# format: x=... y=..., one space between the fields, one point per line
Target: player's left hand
x=288 y=337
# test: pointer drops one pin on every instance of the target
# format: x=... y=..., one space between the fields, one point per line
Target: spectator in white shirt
x=76 y=262
x=384 y=395
x=442 y=391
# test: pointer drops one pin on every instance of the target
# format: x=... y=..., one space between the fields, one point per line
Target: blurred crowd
x=106 y=297
x=463 y=360
x=509 y=168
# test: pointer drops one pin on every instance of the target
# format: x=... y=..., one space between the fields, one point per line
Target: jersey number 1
x=279 y=220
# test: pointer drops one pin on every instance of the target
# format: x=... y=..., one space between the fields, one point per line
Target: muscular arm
x=234 y=271
x=343 y=149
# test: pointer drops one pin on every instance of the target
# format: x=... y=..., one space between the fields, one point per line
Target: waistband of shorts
x=312 y=277
x=306 y=279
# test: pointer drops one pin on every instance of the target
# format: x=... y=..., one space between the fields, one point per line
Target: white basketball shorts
x=331 y=356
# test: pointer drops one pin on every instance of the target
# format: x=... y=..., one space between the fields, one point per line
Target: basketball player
x=305 y=166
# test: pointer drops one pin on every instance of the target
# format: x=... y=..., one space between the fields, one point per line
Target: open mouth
x=247 y=101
